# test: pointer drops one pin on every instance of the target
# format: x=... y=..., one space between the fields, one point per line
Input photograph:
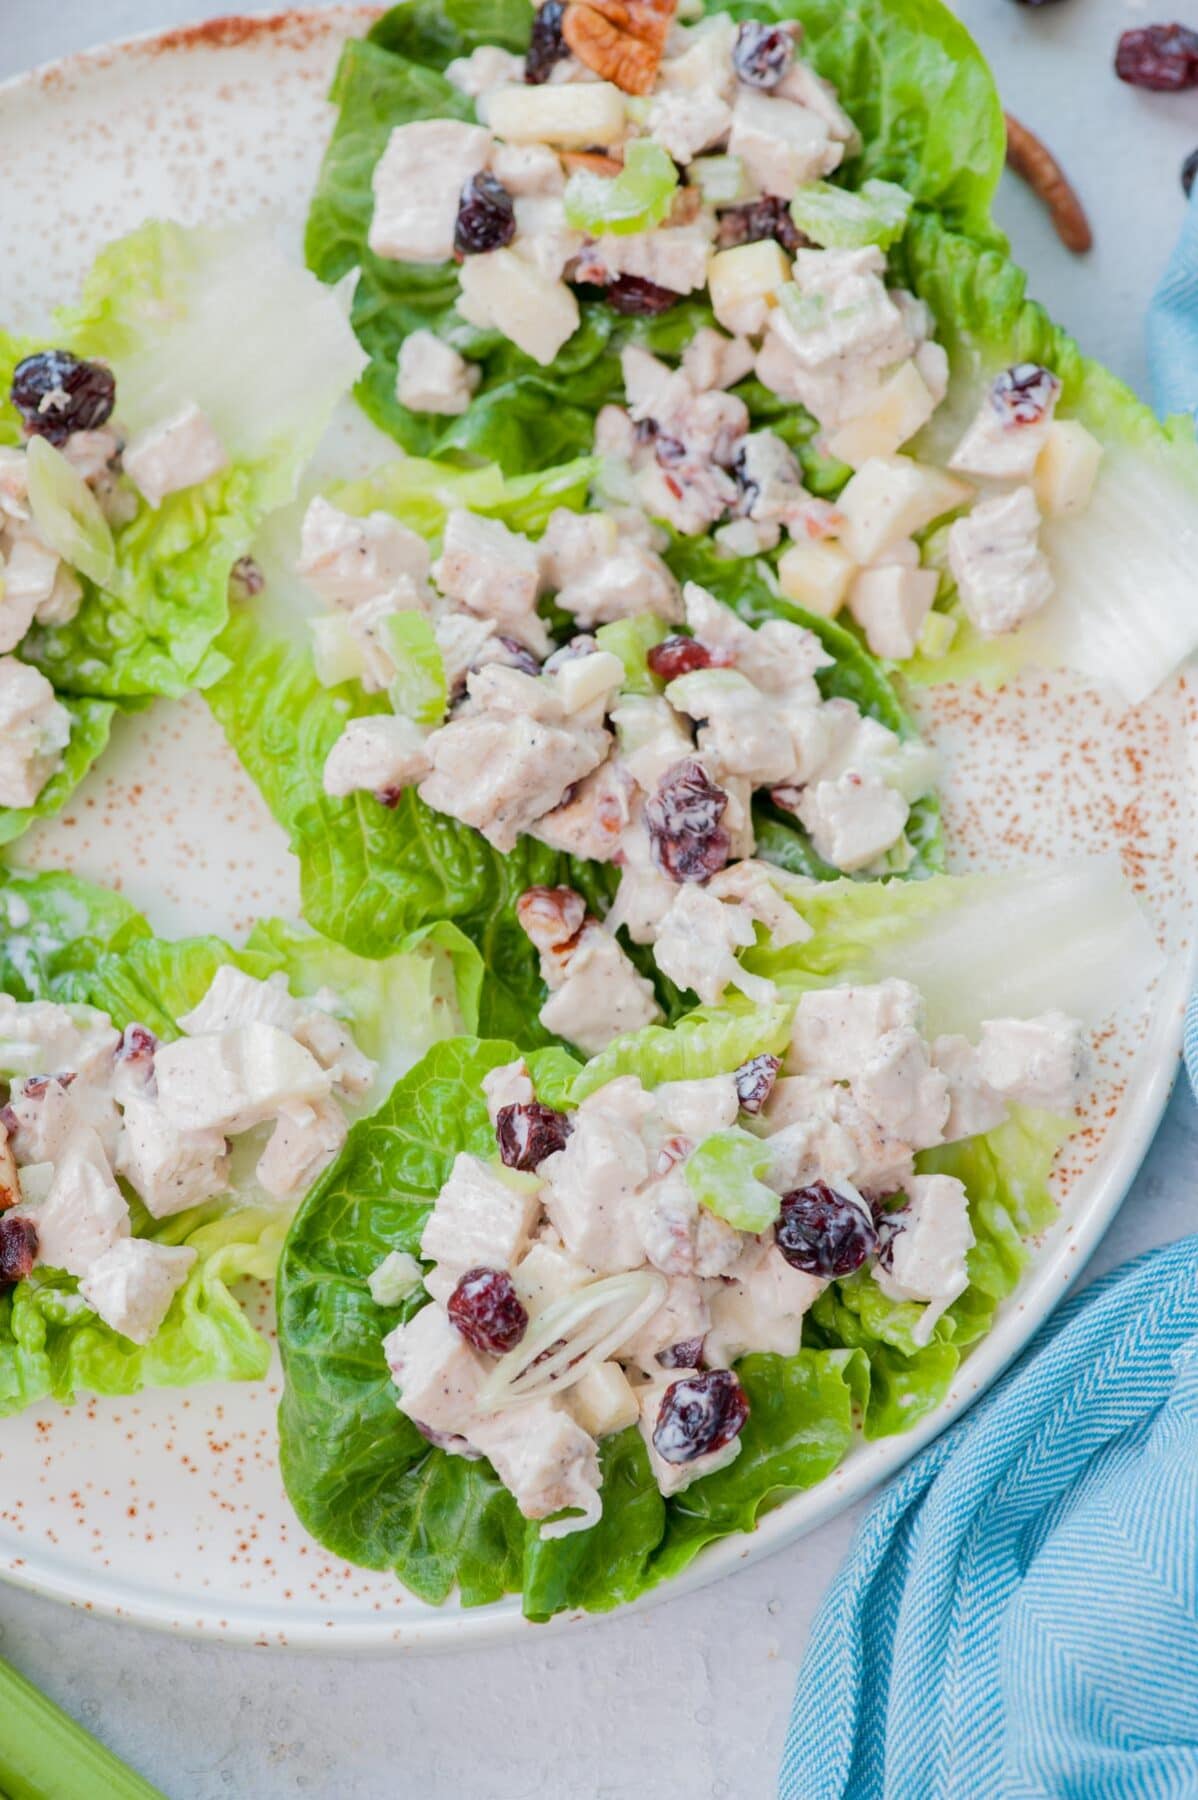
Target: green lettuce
x=370 y=1488
x=71 y=942
x=906 y=71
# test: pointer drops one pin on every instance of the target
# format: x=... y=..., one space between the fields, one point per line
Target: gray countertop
x=692 y=1698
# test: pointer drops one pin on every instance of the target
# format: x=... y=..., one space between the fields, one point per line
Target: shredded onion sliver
x=571 y=1336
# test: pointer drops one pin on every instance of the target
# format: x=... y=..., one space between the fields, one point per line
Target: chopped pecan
x=10 y=1184
x=1037 y=165
x=621 y=40
x=594 y=162
x=554 y=919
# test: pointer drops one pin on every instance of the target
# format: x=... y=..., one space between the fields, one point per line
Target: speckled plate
x=168 y=1509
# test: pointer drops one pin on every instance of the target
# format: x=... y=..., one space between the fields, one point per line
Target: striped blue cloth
x=1019 y=1614
x=1173 y=325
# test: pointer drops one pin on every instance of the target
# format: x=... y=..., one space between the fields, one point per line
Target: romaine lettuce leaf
x=69 y=941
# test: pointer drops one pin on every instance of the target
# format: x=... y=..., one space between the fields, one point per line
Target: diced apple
x=900 y=408
x=587 y=678
x=744 y=284
x=892 y=497
x=816 y=576
x=502 y=291
x=575 y=115
x=335 y=650
x=890 y=604
x=1066 y=468
x=603 y=1401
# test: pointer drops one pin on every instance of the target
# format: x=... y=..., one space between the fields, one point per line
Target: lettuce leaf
x=191 y=315
x=905 y=69
x=72 y=942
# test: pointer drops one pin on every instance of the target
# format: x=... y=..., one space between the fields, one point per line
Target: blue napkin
x=1019 y=1613
x=1173 y=325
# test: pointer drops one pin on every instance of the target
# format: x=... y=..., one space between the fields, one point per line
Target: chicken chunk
x=853 y=820
x=380 y=754
x=837 y=1028
x=131 y=1285
x=304 y=1142
x=433 y=377
x=494 y=573
x=697 y=942
x=417 y=184
x=973 y=1105
x=591 y=1183
x=898 y=1086
x=762 y=1310
x=547 y=1462
x=781 y=144
x=83 y=1213
x=438 y=1376
x=925 y=1248
x=479 y=1221
x=1002 y=575
x=179 y=453
x=601 y=995
x=34 y=731
x=171 y=1169
x=347 y=560
x=231 y=1080
x=1042 y=1062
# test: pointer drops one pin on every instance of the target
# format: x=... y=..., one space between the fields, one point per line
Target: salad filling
x=611 y=1262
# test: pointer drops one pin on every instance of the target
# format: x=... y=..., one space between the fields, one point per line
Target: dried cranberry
x=546 y=46
x=758 y=219
x=246 y=580
x=700 y=1414
x=1189 y=169
x=1161 y=57
x=669 y=451
x=551 y=917
x=685 y=835
x=486 y=216
x=823 y=1232
x=137 y=1045
x=1022 y=395
x=389 y=797
x=448 y=1440
x=888 y=1225
x=762 y=53
x=755 y=1081
x=487 y=1311
x=582 y=644
x=678 y=656
x=527 y=1134
x=57 y=393
x=686 y=1355
x=635 y=297
x=517 y=656
x=18 y=1249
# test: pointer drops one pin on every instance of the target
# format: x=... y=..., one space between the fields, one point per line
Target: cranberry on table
x=528 y=1132
x=1161 y=57
x=755 y=1081
x=18 y=1249
x=486 y=216
x=547 y=45
x=638 y=298
x=824 y=1233
x=683 y=818
x=762 y=53
x=768 y=217
x=1023 y=394
x=57 y=393
x=676 y=656
x=486 y=1309
x=699 y=1415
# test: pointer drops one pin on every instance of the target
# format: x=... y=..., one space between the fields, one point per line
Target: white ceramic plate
x=168 y=1508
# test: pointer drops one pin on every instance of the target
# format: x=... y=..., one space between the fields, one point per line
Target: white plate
x=168 y=1508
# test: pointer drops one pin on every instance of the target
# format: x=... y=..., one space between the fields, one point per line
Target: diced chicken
x=802 y=85
x=926 y=1249
x=480 y=1221
x=746 y=731
x=674 y=257
x=688 y=496
x=643 y=899
x=599 y=574
x=84 y=1212
x=27 y=579
x=1002 y=445
x=34 y=730
x=303 y=1143
x=820 y=1133
x=37 y=1035
x=673 y=1478
x=591 y=821
x=494 y=573
x=63 y=601
x=547 y=1462
x=845 y=308
x=974 y=1106
x=745 y=538
x=601 y=996
x=548 y=1273
x=769 y=474
x=781 y=144
x=346 y=560
x=697 y=942
x=526 y=170
x=679 y=1236
x=380 y=754
x=765 y=892
x=131 y=1286
x=700 y=59
x=778 y=657
x=465 y=643
x=231 y=1080
x=14 y=484
x=90 y=452
x=508 y=1085
x=235 y=998
x=853 y=820
x=543 y=236
x=685 y=123
x=591 y=1183
x=417 y=184
x=179 y=453
x=890 y=603
x=1002 y=575
x=1042 y=1062
x=697 y=1108
x=171 y=1169
x=40 y=1118
x=437 y=1373
x=837 y=1028
x=712 y=360
x=682 y=1317
x=604 y=1401
x=502 y=291
x=433 y=377
x=485 y=68
x=763 y=1311
x=898 y=1086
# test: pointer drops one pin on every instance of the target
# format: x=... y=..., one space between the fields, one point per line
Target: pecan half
x=1036 y=164
x=621 y=40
